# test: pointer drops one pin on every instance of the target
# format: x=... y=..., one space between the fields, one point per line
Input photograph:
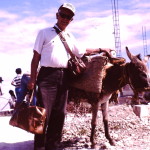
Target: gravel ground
x=128 y=131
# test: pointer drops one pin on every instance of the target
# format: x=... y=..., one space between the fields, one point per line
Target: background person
x=1 y=80
x=17 y=81
x=52 y=79
x=24 y=93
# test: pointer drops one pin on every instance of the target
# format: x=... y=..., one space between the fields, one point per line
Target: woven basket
x=91 y=80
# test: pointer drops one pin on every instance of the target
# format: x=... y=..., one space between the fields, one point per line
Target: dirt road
x=128 y=131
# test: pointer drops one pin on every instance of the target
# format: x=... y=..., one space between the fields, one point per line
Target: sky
x=20 y=21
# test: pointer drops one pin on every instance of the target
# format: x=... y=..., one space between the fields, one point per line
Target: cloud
x=131 y=24
x=8 y=63
x=19 y=34
x=94 y=32
x=7 y=15
x=92 y=28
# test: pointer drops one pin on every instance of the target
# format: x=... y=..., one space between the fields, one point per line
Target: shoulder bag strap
x=31 y=94
x=64 y=42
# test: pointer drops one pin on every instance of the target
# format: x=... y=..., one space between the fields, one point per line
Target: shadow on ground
x=27 y=145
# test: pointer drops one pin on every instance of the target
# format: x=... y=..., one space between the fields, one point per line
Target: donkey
x=133 y=73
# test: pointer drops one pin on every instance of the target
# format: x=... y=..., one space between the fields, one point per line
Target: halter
x=127 y=78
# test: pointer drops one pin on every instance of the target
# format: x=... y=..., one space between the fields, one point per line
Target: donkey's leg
x=135 y=99
x=104 y=107
x=95 y=107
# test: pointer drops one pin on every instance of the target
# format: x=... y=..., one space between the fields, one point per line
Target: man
x=17 y=82
x=1 y=80
x=52 y=78
x=24 y=92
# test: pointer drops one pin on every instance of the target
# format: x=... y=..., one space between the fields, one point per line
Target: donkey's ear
x=139 y=56
x=129 y=54
x=133 y=58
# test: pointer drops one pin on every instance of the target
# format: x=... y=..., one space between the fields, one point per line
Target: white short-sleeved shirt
x=52 y=50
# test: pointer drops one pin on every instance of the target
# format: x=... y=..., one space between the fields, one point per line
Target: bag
x=91 y=79
x=76 y=67
x=29 y=118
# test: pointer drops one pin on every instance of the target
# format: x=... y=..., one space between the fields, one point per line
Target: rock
x=142 y=110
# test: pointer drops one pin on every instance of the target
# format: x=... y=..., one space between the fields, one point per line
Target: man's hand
x=31 y=85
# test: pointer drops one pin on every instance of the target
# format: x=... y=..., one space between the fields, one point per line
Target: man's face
x=64 y=17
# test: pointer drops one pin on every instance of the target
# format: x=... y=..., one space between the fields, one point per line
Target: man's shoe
x=39 y=148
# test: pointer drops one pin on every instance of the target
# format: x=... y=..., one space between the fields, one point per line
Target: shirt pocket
x=49 y=44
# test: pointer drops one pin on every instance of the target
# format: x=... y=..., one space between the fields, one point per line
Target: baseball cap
x=68 y=6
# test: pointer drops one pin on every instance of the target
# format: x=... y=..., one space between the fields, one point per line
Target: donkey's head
x=138 y=73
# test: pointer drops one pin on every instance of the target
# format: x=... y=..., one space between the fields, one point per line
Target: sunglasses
x=64 y=16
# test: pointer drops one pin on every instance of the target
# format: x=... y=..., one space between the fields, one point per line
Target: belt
x=52 y=68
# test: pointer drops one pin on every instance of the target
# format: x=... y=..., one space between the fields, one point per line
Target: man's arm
x=90 y=51
x=34 y=66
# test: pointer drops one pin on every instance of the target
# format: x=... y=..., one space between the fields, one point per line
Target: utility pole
x=116 y=32
x=144 y=40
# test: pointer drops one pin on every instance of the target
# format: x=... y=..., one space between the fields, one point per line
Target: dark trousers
x=17 y=91
x=52 y=95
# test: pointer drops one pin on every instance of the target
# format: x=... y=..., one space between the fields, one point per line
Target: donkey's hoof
x=93 y=146
x=112 y=143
